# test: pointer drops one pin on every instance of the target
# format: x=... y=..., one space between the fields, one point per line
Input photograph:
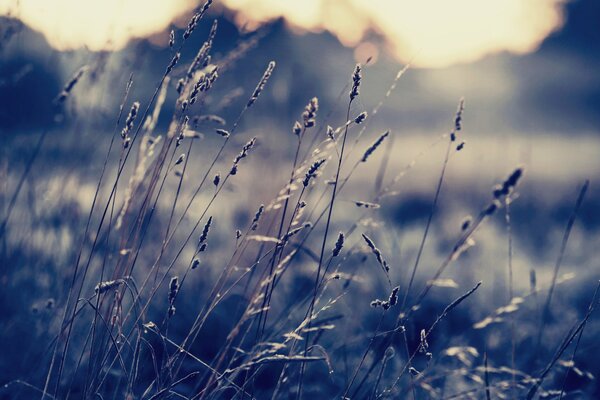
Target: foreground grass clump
x=163 y=300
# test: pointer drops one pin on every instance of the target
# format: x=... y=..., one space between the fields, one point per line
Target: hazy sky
x=432 y=33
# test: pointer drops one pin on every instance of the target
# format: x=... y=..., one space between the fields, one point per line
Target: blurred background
x=527 y=69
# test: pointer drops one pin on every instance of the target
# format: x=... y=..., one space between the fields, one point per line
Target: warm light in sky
x=435 y=32
x=95 y=24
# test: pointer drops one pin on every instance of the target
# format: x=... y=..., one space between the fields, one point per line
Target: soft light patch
x=430 y=33
x=96 y=24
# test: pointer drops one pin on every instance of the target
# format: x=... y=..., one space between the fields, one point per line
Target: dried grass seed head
x=222 y=132
x=393 y=300
x=376 y=252
x=507 y=187
x=293 y=232
x=339 y=244
x=205 y=230
x=242 y=155
x=172 y=38
x=310 y=112
x=202 y=58
x=459 y=300
x=360 y=118
x=330 y=132
x=62 y=96
x=261 y=84
x=466 y=224
x=366 y=204
x=386 y=304
x=173 y=289
x=297 y=128
x=377 y=303
x=173 y=63
x=374 y=146
x=204 y=83
x=424 y=345
x=256 y=219
x=183 y=129
x=458 y=120
x=106 y=286
x=208 y=118
x=356 y=78
x=129 y=121
x=195 y=19
x=459 y=113
x=312 y=171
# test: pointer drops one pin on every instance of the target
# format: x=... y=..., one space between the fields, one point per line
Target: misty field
x=220 y=224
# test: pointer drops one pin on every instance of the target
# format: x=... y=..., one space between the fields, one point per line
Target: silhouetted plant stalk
x=561 y=253
x=161 y=164
x=115 y=347
x=356 y=78
x=183 y=94
x=452 y=138
x=385 y=191
x=425 y=335
x=308 y=119
x=573 y=333
x=234 y=168
x=86 y=268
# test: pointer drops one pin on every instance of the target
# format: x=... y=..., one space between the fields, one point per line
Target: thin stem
x=561 y=253
x=364 y=356
x=22 y=180
x=324 y=243
x=438 y=189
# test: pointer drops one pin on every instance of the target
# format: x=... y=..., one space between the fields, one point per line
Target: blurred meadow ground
x=129 y=270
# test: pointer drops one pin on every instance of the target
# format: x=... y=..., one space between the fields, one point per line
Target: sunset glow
x=433 y=33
